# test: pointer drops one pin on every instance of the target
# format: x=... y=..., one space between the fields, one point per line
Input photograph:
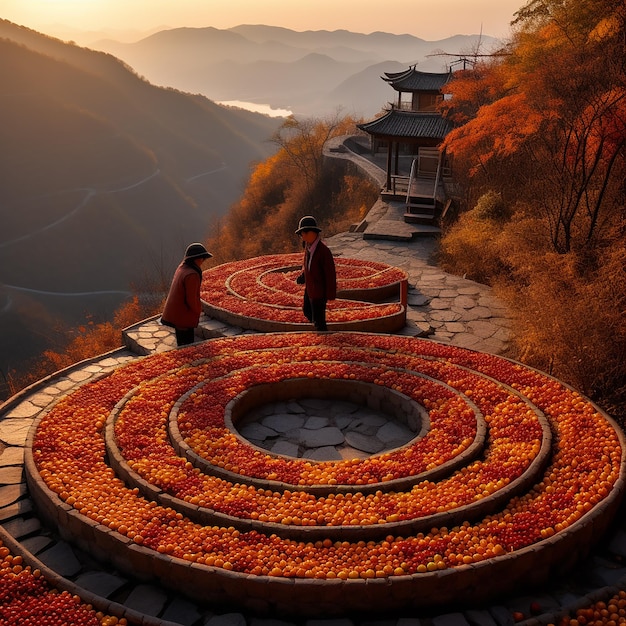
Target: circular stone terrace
x=503 y=480
x=510 y=477
x=262 y=294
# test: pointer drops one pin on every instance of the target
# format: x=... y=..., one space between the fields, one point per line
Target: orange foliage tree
x=542 y=128
x=297 y=180
x=547 y=122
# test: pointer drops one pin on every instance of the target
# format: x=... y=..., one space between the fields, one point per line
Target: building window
x=429 y=101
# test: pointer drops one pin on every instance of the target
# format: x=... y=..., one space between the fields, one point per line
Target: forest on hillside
x=104 y=179
x=539 y=151
x=538 y=155
x=295 y=181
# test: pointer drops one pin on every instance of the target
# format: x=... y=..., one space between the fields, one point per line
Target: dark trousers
x=185 y=336
x=315 y=311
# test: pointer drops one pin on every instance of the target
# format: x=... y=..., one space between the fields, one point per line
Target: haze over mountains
x=104 y=179
x=105 y=175
x=308 y=73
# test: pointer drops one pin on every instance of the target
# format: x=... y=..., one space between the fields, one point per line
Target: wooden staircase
x=422 y=205
x=422 y=210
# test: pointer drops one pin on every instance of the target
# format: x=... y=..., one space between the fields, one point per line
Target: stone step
x=422 y=203
x=419 y=218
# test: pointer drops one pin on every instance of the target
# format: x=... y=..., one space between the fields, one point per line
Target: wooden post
x=404 y=292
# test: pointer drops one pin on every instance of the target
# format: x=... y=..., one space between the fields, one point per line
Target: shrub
x=471 y=246
x=491 y=207
x=568 y=310
x=571 y=322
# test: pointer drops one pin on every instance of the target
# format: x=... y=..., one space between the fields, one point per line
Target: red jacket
x=183 y=307
x=321 y=279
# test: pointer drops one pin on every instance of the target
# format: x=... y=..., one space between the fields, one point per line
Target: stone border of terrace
x=362 y=393
x=555 y=602
x=25 y=406
x=463 y=583
x=252 y=319
x=365 y=393
x=373 y=396
x=329 y=598
x=383 y=324
x=442 y=306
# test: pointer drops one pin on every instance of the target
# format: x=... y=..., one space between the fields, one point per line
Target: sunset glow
x=428 y=19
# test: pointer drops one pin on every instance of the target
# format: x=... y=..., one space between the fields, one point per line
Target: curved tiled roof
x=414 y=80
x=408 y=125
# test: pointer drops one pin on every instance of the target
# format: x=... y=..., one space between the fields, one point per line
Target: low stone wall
x=464 y=585
x=384 y=324
x=467 y=582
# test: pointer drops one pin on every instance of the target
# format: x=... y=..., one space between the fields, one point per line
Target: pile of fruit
x=265 y=288
x=548 y=460
x=27 y=599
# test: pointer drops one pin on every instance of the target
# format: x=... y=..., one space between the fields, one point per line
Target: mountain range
x=308 y=73
x=104 y=180
x=115 y=156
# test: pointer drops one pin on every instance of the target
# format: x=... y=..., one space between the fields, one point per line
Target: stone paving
x=323 y=430
x=443 y=307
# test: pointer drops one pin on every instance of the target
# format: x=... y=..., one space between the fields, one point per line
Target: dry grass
x=569 y=310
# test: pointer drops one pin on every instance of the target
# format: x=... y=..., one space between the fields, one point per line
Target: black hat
x=308 y=223
x=197 y=251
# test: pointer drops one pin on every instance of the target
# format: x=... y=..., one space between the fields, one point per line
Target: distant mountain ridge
x=309 y=73
x=104 y=179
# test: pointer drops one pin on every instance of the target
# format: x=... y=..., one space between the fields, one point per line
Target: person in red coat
x=318 y=276
x=183 y=307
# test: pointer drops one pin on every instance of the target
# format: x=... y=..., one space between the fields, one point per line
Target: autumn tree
x=303 y=141
x=296 y=181
x=244 y=228
x=543 y=130
x=575 y=64
x=551 y=116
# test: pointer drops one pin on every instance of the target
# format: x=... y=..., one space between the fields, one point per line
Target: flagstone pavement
x=441 y=306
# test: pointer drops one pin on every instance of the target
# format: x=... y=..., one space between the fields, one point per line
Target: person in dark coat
x=183 y=307
x=318 y=276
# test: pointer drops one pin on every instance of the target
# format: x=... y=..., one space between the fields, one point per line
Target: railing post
x=437 y=177
x=404 y=293
x=411 y=175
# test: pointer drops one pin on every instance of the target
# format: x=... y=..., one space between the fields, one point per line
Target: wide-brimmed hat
x=308 y=223
x=197 y=251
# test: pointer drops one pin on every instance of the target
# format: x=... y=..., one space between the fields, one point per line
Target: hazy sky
x=428 y=19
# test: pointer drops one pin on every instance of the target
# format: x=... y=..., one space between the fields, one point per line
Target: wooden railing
x=408 y=106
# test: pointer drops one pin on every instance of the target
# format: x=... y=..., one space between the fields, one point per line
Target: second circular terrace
x=261 y=294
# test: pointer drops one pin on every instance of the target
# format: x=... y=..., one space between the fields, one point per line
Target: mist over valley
x=308 y=73
x=116 y=155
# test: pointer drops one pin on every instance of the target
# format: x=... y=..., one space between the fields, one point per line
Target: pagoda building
x=412 y=127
